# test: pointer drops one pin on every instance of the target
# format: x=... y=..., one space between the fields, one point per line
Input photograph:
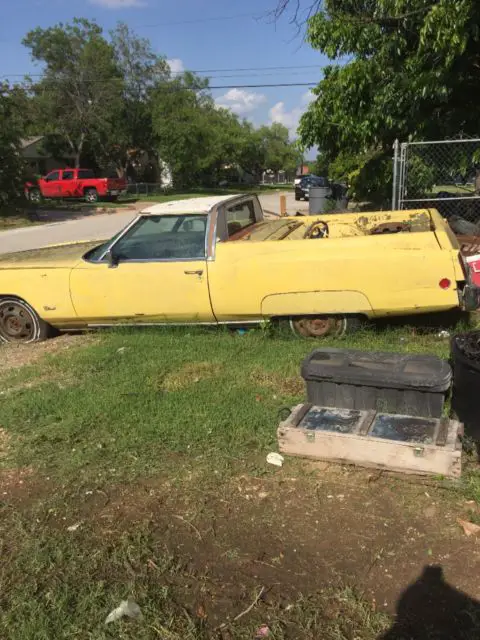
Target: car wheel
x=19 y=322
x=35 y=196
x=297 y=198
x=324 y=326
x=91 y=196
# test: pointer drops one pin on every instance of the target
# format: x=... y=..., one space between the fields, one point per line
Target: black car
x=302 y=189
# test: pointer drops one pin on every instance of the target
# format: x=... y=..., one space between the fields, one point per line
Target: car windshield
x=314 y=181
x=168 y=237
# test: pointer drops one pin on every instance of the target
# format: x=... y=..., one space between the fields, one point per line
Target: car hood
x=53 y=256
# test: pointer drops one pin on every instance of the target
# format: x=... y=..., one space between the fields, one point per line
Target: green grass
x=195 y=408
x=136 y=395
x=459 y=190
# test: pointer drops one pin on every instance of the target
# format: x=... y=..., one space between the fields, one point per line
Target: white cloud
x=118 y=4
x=240 y=101
x=176 y=65
x=290 y=118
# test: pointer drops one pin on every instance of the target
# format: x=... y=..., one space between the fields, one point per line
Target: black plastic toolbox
x=406 y=384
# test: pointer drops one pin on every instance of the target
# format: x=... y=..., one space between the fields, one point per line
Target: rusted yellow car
x=216 y=260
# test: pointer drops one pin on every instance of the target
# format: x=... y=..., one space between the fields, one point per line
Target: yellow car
x=216 y=260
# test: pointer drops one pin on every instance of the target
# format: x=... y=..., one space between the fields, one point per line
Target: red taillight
x=445 y=283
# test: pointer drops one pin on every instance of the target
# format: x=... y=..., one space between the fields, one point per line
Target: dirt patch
x=16 y=484
x=188 y=375
x=15 y=356
x=296 y=533
x=285 y=386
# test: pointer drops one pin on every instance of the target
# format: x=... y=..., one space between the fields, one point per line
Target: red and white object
x=474 y=266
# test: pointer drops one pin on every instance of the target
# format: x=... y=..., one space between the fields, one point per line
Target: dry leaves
x=469 y=528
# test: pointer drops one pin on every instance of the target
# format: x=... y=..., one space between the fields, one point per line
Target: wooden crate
x=373 y=439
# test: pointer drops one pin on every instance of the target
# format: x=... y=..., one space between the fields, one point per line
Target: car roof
x=188 y=205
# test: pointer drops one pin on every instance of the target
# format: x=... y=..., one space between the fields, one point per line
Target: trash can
x=317 y=199
x=465 y=352
x=406 y=384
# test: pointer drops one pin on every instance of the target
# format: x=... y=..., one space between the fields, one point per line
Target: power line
x=295 y=66
x=199 y=20
x=259 y=86
x=168 y=87
x=201 y=71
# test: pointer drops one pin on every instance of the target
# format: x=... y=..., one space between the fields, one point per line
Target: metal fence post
x=396 y=149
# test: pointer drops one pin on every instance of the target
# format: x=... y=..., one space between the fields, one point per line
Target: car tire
x=35 y=196
x=297 y=198
x=91 y=196
x=20 y=323
x=333 y=326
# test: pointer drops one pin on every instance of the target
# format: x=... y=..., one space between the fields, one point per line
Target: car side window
x=67 y=175
x=163 y=238
x=240 y=216
x=85 y=174
x=52 y=176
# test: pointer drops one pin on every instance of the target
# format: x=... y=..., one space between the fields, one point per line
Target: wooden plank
x=366 y=422
x=442 y=433
x=300 y=414
x=374 y=452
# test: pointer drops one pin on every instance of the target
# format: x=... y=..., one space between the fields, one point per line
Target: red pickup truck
x=74 y=183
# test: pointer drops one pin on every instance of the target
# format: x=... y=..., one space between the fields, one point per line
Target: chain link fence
x=148 y=189
x=444 y=175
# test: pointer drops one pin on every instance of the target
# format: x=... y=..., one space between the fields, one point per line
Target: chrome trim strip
x=175 y=324
x=207 y=232
x=212 y=249
x=153 y=260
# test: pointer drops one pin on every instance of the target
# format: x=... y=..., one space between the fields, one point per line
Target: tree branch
x=317 y=7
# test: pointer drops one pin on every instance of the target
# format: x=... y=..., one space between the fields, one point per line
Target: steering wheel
x=319 y=229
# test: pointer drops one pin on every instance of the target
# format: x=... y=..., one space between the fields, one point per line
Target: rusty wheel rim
x=318 y=327
x=16 y=323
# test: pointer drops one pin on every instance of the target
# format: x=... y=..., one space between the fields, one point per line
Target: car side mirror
x=112 y=258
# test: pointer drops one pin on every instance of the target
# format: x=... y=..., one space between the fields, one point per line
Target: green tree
x=128 y=133
x=321 y=165
x=81 y=90
x=280 y=152
x=11 y=131
x=411 y=71
x=182 y=112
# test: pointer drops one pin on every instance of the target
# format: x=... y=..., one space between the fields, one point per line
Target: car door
x=238 y=268
x=154 y=273
x=67 y=184
x=52 y=184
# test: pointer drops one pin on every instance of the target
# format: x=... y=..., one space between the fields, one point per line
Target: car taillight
x=445 y=283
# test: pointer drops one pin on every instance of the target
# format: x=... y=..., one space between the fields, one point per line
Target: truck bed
x=347 y=225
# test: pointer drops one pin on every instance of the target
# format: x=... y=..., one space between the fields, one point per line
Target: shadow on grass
x=430 y=608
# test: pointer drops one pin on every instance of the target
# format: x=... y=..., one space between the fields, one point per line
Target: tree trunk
x=78 y=151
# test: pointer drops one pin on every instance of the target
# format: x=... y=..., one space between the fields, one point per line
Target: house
x=38 y=160
x=303 y=170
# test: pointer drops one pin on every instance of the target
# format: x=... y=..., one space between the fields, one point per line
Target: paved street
x=98 y=227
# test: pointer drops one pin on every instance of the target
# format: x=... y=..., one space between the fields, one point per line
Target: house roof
x=189 y=205
x=27 y=142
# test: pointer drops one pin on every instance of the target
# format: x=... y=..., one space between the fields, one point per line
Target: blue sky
x=194 y=35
